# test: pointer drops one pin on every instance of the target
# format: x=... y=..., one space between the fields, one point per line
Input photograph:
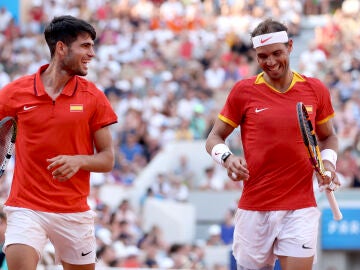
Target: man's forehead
x=267 y=49
x=84 y=37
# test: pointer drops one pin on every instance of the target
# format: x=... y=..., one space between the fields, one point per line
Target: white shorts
x=72 y=234
x=260 y=236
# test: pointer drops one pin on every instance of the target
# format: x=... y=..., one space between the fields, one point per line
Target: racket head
x=309 y=137
x=8 y=130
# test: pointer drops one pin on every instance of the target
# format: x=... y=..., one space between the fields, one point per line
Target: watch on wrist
x=225 y=156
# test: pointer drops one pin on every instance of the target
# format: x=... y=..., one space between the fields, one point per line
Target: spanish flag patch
x=309 y=108
x=76 y=107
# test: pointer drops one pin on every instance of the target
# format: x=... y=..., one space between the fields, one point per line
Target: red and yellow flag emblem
x=309 y=108
x=76 y=107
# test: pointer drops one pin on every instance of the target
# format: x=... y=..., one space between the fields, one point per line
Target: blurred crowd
x=166 y=67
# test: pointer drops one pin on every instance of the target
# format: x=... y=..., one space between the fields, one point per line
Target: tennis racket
x=310 y=141
x=7 y=141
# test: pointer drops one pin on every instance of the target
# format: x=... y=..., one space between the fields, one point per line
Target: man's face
x=78 y=55
x=274 y=59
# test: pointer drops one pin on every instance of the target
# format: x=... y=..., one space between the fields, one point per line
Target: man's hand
x=64 y=167
x=236 y=168
x=330 y=180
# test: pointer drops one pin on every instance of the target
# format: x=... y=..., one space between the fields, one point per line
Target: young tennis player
x=63 y=135
x=277 y=215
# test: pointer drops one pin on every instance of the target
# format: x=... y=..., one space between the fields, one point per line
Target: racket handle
x=334 y=205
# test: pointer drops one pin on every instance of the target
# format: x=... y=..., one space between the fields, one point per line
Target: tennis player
x=277 y=215
x=63 y=135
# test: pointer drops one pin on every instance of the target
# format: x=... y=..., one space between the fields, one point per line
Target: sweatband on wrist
x=270 y=38
x=217 y=152
x=329 y=155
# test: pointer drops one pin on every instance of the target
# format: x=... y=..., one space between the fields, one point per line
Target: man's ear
x=61 y=48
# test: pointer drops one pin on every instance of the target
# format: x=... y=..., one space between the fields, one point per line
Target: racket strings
x=6 y=145
x=312 y=144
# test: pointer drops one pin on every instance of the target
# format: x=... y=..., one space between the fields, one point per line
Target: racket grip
x=334 y=205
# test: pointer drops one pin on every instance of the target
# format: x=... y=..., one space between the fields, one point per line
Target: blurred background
x=167 y=67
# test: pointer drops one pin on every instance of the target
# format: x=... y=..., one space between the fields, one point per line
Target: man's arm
x=215 y=145
x=103 y=159
x=218 y=134
x=327 y=136
x=329 y=146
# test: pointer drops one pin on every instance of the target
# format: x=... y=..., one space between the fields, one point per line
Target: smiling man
x=63 y=135
x=277 y=215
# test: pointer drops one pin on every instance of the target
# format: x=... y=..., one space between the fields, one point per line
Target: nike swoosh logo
x=26 y=108
x=84 y=254
x=264 y=40
x=306 y=247
x=217 y=153
x=260 y=110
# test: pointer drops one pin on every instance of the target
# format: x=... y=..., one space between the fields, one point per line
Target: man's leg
x=293 y=263
x=21 y=257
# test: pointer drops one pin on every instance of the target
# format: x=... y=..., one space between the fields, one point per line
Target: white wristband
x=217 y=152
x=329 y=155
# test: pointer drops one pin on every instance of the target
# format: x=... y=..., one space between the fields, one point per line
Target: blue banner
x=13 y=7
x=343 y=234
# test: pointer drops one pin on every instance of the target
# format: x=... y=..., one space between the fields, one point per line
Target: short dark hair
x=66 y=29
x=268 y=26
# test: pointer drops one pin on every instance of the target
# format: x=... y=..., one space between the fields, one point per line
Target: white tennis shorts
x=72 y=234
x=260 y=236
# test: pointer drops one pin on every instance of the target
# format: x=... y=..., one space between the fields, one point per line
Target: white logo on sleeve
x=260 y=110
x=26 y=108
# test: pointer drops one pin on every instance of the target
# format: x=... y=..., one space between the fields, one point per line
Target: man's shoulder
x=250 y=81
x=310 y=80
x=22 y=83
x=88 y=86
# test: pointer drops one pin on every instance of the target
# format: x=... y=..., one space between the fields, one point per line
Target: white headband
x=271 y=38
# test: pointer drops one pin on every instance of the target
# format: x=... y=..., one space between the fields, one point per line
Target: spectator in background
x=328 y=35
x=126 y=212
x=4 y=77
x=227 y=227
x=213 y=179
x=346 y=86
x=214 y=236
x=179 y=191
x=154 y=237
x=198 y=124
x=149 y=193
x=179 y=255
x=215 y=75
x=183 y=131
x=124 y=232
x=132 y=258
x=106 y=256
x=131 y=146
x=197 y=255
x=184 y=171
x=161 y=185
x=349 y=168
x=310 y=59
x=5 y=18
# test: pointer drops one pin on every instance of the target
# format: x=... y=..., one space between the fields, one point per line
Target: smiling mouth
x=86 y=63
